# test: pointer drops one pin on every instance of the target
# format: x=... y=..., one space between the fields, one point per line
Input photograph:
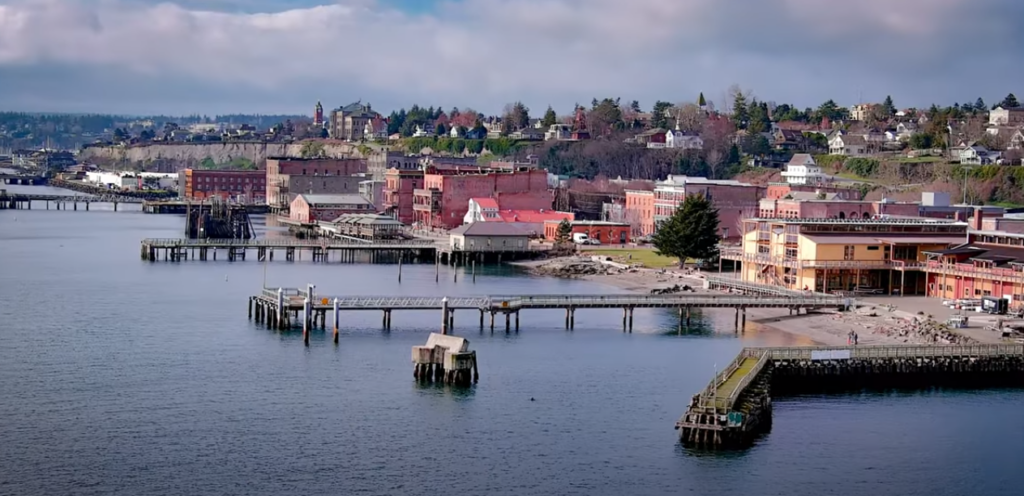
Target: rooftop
x=534 y=216
x=678 y=180
x=876 y=222
x=489 y=229
x=348 y=199
x=488 y=203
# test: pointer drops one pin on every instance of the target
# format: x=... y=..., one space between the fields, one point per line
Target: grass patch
x=644 y=256
x=920 y=160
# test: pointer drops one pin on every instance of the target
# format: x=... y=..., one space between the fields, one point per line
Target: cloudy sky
x=271 y=56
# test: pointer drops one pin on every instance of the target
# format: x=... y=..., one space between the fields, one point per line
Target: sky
x=282 y=56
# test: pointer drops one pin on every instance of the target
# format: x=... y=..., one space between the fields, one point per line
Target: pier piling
x=336 y=320
x=305 y=321
x=444 y=315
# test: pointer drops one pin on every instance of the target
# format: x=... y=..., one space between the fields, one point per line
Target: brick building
x=381 y=162
x=828 y=206
x=609 y=233
x=640 y=211
x=288 y=177
x=733 y=199
x=443 y=199
x=240 y=185
x=312 y=208
x=399 y=186
x=782 y=190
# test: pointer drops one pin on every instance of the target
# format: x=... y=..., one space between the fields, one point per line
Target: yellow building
x=827 y=255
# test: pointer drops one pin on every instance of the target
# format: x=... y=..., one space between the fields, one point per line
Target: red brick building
x=734 y=200
x=608 y=233
x=782 y=190
x=241 y=185
x=399 y=185
x=443 y=199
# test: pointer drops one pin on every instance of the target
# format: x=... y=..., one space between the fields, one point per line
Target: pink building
x=399 y=185
x=312 y=208
x=829 y=206
x=443 y=200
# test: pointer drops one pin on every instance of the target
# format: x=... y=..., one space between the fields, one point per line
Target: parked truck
x=580 y=238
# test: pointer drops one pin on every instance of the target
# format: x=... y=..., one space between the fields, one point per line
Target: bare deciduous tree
x=689 y=117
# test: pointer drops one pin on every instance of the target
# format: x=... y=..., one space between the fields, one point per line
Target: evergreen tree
x=550 y=118
x=701 y=102
x=519 y=116
x=691 y=232
x=1009 y=102
x=757 y=115
x=440 y=130
x=979 y=105
x=635 y=106
x=658 y=117
x=564 y=232
x=888 y=107
x=740 y=115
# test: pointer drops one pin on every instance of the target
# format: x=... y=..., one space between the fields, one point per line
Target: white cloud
x=487 y=52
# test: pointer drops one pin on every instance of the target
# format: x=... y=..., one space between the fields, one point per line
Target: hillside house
x=848 y=145
x=975 y=154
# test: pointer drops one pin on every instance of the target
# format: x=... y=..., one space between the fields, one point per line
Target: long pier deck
x=735 y=407
x=320 y=250
x=279 y=307
x=23 y=201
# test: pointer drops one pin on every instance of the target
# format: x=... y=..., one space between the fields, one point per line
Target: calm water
x=124 y=377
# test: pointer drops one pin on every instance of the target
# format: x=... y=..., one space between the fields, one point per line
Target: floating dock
x=736 y=407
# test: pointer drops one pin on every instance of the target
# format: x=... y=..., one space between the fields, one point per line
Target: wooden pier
x=60 y=202
x=317 y=250
x=291 y=307
x=735 y=408
x=184 y=207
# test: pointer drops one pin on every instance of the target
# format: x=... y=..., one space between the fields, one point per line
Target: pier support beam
x=631 y=319
x=572 y=318
x=481 y=320
x=336 y=323
x=444 y=315
x=492 y=320
x=517 y=320
x=250 y=308
x=280 y=308
x=451 y=320
x=305 y=321
x=508 y=316
x=625 y=315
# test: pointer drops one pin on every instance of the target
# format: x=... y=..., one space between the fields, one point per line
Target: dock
x=281 y=308
x=735 y=408
x=317 y=250
x=184 y=207
x=21 y=201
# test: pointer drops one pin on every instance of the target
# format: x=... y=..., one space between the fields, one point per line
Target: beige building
x=349 y=122
x=829 y=255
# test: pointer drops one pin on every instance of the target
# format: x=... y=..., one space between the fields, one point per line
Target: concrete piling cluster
x=445 y=359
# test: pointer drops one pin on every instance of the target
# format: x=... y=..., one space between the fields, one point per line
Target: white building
x=133 y=181
x=978 y=155
x=802 y=169
x=481 y=210
x=681 y=140
x=558 y=132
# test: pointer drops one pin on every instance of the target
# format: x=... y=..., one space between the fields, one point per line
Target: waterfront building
x=489 y=237
x=826 y=255
x=365 y=226
x=443 y=200
x=288 y=177
x=241 y=185
x=311 y=208
x=380 y=162
x=399 y=185
x=372 y=190
x=990 y=263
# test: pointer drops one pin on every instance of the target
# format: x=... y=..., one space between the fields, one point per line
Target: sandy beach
x=890 y=320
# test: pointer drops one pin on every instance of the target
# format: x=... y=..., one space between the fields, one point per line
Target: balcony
x=969 y=270
x=426 y=200
x=738 y=255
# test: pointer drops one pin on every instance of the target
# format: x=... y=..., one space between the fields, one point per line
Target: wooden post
x=517 y=320
x=444 y=315
x=336 y=321
x=481 y=320
x=437 y=266
x=280 y=308
x=250 y=308
x=473 y=265
x=572 y=318
x=451 y=320
x=630 y=319
x=507 y=323
x=492 y=320
x=305 y=321
x=399 y=269
x=736 y=323
x=625 y=314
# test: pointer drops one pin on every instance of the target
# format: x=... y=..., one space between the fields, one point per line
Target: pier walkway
x=320 y=250
x=290 y=304
x=61 y=202
x=736 y=405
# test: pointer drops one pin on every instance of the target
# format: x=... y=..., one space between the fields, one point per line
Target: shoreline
x=874 y=324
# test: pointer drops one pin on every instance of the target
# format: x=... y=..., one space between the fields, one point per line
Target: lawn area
x=646 y=256
x=920 y=160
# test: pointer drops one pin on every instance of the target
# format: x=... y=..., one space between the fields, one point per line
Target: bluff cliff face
x=180 y=155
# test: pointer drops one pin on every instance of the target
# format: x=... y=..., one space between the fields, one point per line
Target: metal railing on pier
x=284 y=243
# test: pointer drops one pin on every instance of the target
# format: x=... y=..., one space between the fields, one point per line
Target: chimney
x=979 y=216
x=958 y=216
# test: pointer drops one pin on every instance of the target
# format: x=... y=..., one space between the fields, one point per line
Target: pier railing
x=891 y=351
x=280 y=243
x=746 y=379
x=583 y=301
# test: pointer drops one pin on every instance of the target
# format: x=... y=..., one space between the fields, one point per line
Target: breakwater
x=735 y=407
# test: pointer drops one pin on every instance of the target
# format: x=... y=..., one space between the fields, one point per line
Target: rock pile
x=925 y=332
x=574 y=267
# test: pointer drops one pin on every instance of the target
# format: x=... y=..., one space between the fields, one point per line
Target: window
x=848 y=252
x=872 y=248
